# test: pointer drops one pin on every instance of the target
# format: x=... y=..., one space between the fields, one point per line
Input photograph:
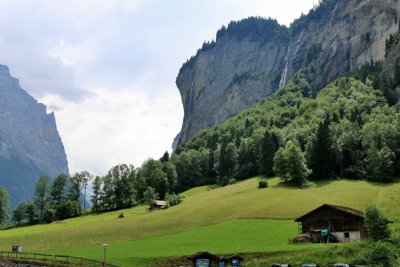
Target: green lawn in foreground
x=244 y=235
x=202 y=210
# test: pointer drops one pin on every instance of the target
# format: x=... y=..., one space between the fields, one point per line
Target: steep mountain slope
x=30 y=145
x=252 y=58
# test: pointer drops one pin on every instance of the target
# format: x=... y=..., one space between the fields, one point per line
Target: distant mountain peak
x=30 y=145
x=4 y=70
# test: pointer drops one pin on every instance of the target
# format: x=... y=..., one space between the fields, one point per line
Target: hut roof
x=160 y=202
x=348 y=210
x=203 y=255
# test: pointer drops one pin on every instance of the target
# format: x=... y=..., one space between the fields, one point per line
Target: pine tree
x=97 y=194
x=320 y=153
x=42 y=195
x=165 y=157
x=58 y=193
x=228 y=159
x=270 y=145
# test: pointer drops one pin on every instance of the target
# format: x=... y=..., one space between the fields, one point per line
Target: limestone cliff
x=251 y=60
x=30 y=145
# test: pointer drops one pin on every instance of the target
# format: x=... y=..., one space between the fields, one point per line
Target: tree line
x=122 y=187
x=56 y=199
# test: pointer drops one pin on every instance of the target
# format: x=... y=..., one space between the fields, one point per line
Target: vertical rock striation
x=30 y=145
x=249 y=61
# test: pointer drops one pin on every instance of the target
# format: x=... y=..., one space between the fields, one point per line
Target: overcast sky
x=107 y=68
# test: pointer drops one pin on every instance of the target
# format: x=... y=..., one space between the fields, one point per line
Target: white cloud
x=112 y=127
x=108 y=68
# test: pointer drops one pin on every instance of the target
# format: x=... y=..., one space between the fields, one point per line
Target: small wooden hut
x=158 y=204
x=203 y=259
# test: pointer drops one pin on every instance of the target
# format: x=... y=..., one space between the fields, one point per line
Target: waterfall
x=298 y=43
x=282 y=82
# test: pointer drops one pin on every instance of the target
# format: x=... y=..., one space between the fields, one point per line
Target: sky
x=107 y=68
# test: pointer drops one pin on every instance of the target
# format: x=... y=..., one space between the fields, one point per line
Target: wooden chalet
x=333 y=223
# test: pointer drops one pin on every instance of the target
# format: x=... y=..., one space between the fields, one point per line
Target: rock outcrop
x=238 y=69
x=30 y=145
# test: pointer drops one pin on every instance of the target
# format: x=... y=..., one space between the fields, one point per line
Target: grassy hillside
x=232 y=219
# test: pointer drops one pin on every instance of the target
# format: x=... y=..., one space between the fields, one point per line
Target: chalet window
x=346 y=235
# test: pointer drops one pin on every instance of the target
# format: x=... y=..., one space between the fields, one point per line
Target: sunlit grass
x=212 y=213
x=244 y=235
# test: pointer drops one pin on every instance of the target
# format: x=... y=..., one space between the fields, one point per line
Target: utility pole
x=104 y=254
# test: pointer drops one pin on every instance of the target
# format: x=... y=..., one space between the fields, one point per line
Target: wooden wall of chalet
x=335 y=220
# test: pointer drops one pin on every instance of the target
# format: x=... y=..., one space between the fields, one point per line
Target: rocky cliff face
x=239 y=70
x=30 y=145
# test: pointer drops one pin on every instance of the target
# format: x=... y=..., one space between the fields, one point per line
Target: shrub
x=262 y=184
x=376 y=223
x=223 y=180
x=173 y=199
x=49 y=215
x=379 y=253
x=121 y=215
x=232 y=181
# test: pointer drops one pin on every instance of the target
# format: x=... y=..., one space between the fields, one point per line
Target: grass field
x=233 y=219
x=244 y=235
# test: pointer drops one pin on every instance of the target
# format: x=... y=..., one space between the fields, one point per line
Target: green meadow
x=238 y=218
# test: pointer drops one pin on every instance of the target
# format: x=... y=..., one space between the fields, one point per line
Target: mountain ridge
x=236 y=72
x=30 y=145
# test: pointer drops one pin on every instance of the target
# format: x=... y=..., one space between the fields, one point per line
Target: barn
x=158 y=204
x=332 y=223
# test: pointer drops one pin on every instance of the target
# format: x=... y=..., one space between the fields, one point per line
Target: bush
x=376 y=223
x=121 y=215
x=223 y=180
x=262 y=184
x=49 y=215
x=378 y=253
x=232 y=181
x=173 y=199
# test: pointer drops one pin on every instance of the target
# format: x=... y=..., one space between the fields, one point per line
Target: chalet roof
x=348 y=210
x=214 y=258
x=203 y=255
x=160 y=202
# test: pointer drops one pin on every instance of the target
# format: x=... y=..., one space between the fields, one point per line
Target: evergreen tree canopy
x=376 y=223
